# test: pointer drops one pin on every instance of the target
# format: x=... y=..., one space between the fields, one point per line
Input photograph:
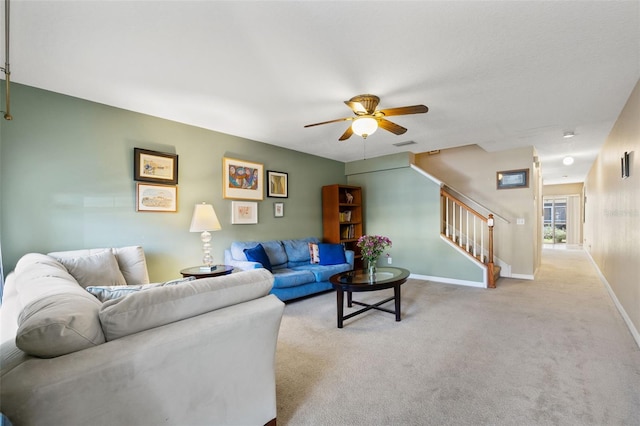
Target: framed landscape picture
x=278 y=184
x=156 y=167
x=156 y=198
x=512 y=179
x=242 y=179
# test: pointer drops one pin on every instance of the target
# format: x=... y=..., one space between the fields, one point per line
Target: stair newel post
x=444 y=203
x=490 y=269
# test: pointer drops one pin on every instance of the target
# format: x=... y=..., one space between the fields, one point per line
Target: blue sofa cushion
x=257 y=254
x=298 y=250
x=274 y=250
x=284 y=278
x=323 y=273
x=331 y=254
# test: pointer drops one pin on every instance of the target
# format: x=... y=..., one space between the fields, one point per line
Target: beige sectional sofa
x=182 y=352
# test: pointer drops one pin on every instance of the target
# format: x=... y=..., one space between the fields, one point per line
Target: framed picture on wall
x=278 y=184
x=156 y=167
x=242 y=179
x=244 y=212
x=512 y=179
x=156 y=198
x=278 y=209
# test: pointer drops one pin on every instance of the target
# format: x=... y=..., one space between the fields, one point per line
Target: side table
x=195 y=271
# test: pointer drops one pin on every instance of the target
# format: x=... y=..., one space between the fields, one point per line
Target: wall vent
x=399 y=144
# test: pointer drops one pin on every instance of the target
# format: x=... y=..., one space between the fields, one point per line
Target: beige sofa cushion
x=57 y=325
x=57 y=315
x=163 y=305
x=133 y=264
x=131 y=261
x=95 y=269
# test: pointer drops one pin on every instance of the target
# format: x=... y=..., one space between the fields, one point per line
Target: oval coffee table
x=355 y=281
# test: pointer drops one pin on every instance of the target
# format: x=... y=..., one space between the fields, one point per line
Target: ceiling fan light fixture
x=364 y=126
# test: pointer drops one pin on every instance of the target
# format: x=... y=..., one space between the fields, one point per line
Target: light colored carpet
x=554 y=351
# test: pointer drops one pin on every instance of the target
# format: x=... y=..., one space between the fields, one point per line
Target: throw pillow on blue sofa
x=331 y=254
x=257 y=254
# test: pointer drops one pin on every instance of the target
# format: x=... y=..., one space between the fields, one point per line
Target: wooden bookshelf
x=342 y=217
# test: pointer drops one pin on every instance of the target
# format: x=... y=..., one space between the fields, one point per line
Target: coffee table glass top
x=383 y=275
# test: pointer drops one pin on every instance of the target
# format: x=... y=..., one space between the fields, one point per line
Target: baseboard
x=449 y=280
x=522 y=276
x=623 y=313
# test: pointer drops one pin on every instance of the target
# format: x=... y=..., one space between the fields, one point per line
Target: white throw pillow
x=96 y=269
x=314 y=253
x=105 y=292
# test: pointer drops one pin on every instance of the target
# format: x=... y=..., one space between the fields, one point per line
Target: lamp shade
x=364 y=126
x=204 y=219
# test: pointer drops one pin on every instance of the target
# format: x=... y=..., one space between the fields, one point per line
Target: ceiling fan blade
x=347 y=134
x=330 y=121
x=414 y=109
x=392 y=127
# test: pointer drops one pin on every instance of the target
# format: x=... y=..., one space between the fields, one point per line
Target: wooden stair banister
x=462 y=234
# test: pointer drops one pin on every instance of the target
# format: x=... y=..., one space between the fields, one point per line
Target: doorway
x=555 y=221
x=561 y=221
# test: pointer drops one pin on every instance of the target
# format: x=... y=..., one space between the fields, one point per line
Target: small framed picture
x=278 y=184
x=156 y=198
x=156 y=167
x=512 y=179
x=278 y=209
x=244 y=212
x=242 y=179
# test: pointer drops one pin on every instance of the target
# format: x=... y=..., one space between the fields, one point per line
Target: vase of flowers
x=371 y=248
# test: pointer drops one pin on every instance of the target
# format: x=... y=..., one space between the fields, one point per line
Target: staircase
x=470 y=232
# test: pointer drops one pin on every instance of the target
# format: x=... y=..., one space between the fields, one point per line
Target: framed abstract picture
x=278 y=184
x=156 y=198
x=242 y=180
x=156 y=167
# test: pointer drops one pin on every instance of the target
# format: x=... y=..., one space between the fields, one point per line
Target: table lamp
x=205 y=220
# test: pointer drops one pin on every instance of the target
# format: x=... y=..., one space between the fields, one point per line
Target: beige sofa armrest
x=215 y=368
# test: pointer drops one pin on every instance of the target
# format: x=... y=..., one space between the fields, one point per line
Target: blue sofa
x=295 y=275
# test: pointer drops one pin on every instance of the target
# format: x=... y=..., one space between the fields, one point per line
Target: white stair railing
x=465 y=227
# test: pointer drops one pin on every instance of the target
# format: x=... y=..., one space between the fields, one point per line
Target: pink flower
x=372 y=246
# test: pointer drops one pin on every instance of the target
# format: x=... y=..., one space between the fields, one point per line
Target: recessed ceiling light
x=567 y=161
x=568 y=135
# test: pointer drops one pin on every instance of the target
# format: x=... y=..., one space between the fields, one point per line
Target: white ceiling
x=500 y=74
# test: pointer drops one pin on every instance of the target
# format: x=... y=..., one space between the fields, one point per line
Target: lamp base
x=208 y=268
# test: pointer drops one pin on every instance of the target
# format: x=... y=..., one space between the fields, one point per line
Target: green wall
x=67 y=183
x=404 y=205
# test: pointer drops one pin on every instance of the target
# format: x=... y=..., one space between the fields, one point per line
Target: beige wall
x=564 y=189
x=612 y=225
x=472 y=171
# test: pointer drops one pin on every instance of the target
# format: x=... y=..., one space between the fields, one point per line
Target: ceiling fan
x=367 y=118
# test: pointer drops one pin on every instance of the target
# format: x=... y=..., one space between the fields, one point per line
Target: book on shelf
x=348 y=232
x=345 y=216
